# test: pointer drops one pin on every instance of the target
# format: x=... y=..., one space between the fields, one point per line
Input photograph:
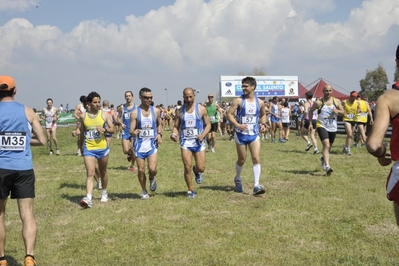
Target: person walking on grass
x=249 y=112
x=191 y=125
x=124 y=122
x=309 y=124
x=286 y=120
x=93 y=145
x=146 y=129
x=275 y=115
x=328 y=109
x=17 y=177
x=50 y=114
x=386 y=113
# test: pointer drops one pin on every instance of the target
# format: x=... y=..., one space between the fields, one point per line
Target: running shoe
x=144 y=195
x=51 y=152
x=58 y=152
x=281 y=140
x=131 y=168
x=323 y=163
x=29 y=261
x=238 y=187
x=191 y=194
x=3 y=263
x=344 y=150
x=348 y=152
x=79 y=153
x=198 y=176
x=153 y=185
x=213 y=150
x=273 y=141
x=310 y=145
x=316 y=151
x=104 y=198
x=329 y=170
x=86 y=203
x=259 y=189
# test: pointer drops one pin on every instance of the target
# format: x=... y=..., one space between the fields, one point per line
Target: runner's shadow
x=302 y=172
x=12 y=262
x=77 y=186
x=219 y=188
x=124 y=168
x=174 y=194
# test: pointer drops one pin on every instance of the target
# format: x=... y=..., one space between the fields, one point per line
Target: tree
x=257 y=71
x=396 y=75
x=374 y=83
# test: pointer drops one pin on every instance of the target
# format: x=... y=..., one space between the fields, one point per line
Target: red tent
x=317 y=91
x=301 y=90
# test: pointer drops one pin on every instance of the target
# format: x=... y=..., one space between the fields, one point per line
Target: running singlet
x=51 y=120
x=145 y=141
x=212 y=113
x=126 y=118
x=275 y=109
x=362 y=115
x=327 y=118
x=314 y=117
x=285 y=115
x=248 y=114
x=94 y=139
x=191 y=126
x=350 y=111
x=15 y=136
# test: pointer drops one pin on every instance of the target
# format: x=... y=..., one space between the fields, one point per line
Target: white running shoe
x=144 y=195
x=86 y=203
x=104 y=198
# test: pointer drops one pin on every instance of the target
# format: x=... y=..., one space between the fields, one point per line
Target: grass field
x=305 y=217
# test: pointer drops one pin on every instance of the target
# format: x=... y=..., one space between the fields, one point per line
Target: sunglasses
x=147 y=97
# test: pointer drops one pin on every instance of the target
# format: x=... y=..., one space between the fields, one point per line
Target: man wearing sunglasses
x=146 y=129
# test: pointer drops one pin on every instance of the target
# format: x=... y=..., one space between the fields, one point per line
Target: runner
x=146 y=128
x=212 y=109
x=50 y=114
x=309 y=124
x=250 y=111
x=191 y=125
x=94 y=148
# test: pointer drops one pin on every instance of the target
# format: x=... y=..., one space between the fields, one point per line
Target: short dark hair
x=6 y=93
x=144 y=90
x=309 y=95
x=91 y=96
x=397 y=53
x=249 y=80
x=49 y=99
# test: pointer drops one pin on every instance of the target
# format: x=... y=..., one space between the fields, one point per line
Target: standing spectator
x=61 y=108
x=16 y=168
x=328 y=108
x=50 y=114
x=249 y=111
x=191 y=126
x=286 y=120
x=67 y=109
x=146 y=129
x=386 y=113
x=93 y=145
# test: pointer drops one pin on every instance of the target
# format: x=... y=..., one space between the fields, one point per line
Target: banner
x=267 y=86
x=66 y=118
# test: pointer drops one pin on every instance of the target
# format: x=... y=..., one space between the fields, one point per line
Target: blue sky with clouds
x=64 y=49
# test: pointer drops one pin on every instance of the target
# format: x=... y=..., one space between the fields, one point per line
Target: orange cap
x=6 y=80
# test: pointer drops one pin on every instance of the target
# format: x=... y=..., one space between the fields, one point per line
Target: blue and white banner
x=267 y=86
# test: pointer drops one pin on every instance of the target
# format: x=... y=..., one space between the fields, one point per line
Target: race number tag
x=147 y=132
x=12 y=141
x=350 y=116
x=126 y=115
x=49 y=119
x=212 y=118
x=248 y=120
x=93 y=134
x=190 y=133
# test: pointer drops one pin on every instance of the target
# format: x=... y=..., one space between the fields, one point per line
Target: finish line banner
x=267 y=86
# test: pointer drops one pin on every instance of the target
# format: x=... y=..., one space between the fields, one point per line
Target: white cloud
x=192 y=42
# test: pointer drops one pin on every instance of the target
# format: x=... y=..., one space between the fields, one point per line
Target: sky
x=64 y=49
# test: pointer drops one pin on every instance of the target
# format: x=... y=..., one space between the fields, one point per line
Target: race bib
x=212 y=118
x=49 y=119
x=350 y=116
x=12 y=141
x=190 y=133
x=93 y=134
x=248 y=119
x=146 y=133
